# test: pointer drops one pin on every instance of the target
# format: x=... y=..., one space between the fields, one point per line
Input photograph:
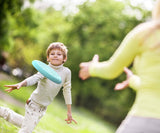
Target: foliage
x=7 y=8
x=32 y=32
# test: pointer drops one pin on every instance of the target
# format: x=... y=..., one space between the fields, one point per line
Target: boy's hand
x=13 y=87
x=70 y=119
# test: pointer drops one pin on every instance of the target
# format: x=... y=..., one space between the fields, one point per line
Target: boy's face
x=56 y=57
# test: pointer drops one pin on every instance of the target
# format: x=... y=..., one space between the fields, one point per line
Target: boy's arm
x=32 y=80
x=67 y=96
x=27 y=82
x=67 y=88
x=69 y=115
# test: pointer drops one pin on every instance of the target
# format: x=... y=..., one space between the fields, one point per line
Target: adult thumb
x=95 y=58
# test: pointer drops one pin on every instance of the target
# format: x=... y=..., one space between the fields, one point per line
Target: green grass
x=53 y=120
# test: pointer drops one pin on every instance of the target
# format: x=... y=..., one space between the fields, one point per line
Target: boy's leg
x=11 y=116
x=33 y=114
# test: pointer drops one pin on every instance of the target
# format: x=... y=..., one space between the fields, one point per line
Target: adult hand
x=84 y=68
x=124 y=84
x=121 y=86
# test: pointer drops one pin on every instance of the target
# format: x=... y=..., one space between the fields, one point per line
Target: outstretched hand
x=124 y=84
x=13 y=87
x=84 y=67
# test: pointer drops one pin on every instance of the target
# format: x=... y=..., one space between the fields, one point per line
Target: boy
x=45 y=92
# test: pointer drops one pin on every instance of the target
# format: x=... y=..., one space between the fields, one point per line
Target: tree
x=8 y=7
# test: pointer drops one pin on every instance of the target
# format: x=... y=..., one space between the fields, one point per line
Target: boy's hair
x=57 y=45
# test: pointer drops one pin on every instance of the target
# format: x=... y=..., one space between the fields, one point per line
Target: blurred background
x=86 y=27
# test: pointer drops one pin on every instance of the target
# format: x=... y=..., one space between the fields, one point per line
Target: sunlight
x=145 y=4
x=69 y=6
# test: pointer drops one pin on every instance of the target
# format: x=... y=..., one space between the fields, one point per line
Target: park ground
x=53 y=121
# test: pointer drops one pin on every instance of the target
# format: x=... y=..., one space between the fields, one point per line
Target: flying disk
x=47 y=71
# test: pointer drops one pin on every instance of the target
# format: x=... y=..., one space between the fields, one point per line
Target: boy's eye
x=59 y=54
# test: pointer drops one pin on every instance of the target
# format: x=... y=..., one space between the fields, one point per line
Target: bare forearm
x=69 y=115
x=69 y=108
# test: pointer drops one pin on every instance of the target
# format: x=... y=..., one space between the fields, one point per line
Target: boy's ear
x=65 y=59
x=47 y=59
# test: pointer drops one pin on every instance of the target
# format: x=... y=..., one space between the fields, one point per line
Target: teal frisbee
x=46 y=71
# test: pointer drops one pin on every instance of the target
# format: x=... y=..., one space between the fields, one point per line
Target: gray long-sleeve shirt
x=47 y=90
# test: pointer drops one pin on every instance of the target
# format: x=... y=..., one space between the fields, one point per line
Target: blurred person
x=45 y=92
x=3 y=66
x=2 y=60
x=142 y=47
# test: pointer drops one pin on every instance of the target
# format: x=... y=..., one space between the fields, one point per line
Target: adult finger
x=128 y=72
x=83 y=75
x=83 y=64
x=95 y=58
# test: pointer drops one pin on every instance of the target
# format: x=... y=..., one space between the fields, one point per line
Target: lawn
x=53 y=121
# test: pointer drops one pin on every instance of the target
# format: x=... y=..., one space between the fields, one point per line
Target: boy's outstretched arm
x=69 y=115
x=15 y=86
